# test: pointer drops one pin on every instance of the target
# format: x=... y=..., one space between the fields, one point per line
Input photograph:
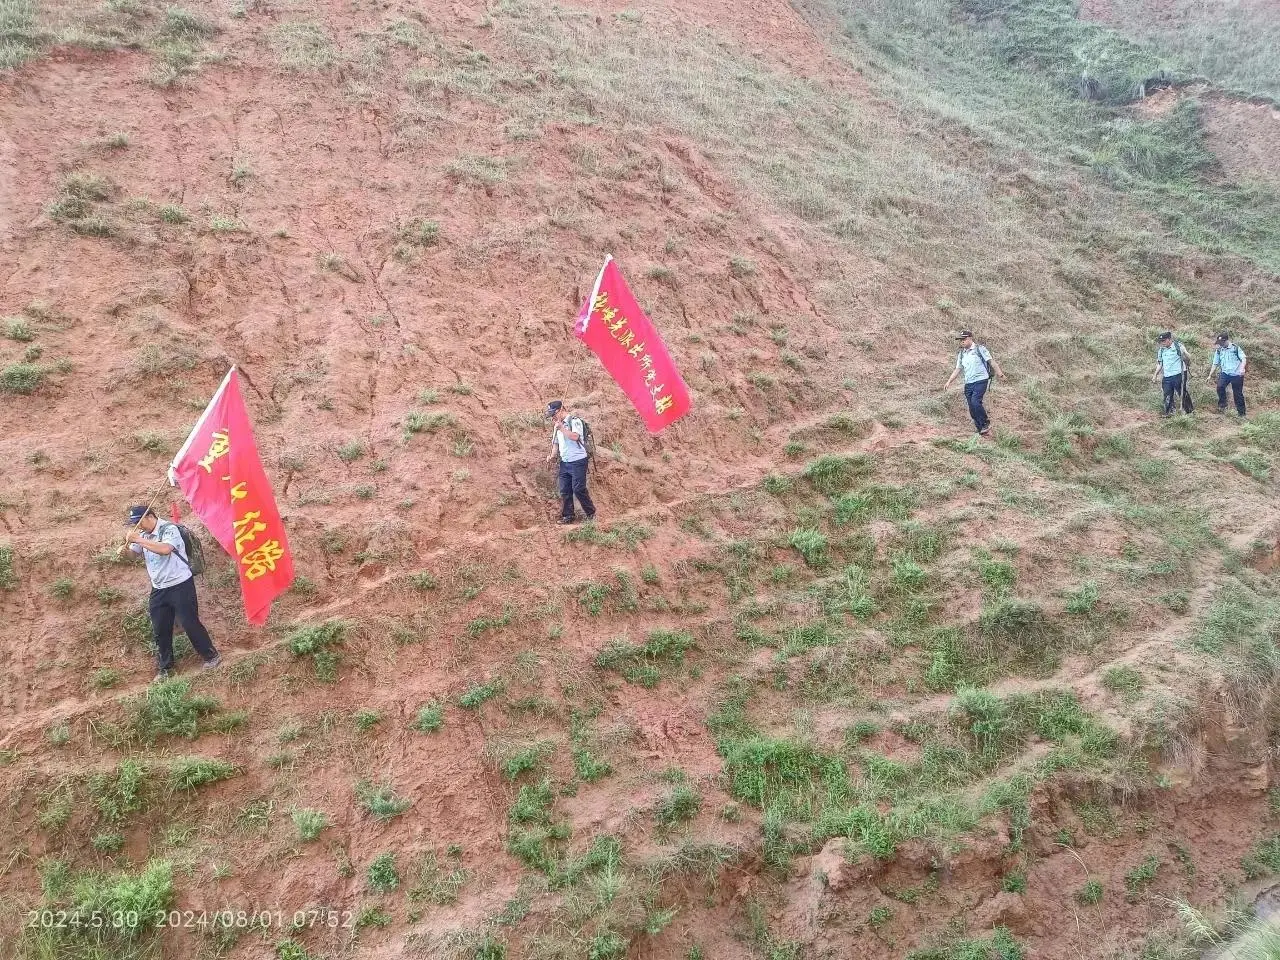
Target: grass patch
x=474 y=696
x=317 y=642
x=663 y=650
x=309 y=824
x=128 y=906
x=22 y=378
x=812 y=546
x=428 y=719
x=380 y=801
x=303 y=47
x=190 y=773
x=169 y=709
x=382 y=875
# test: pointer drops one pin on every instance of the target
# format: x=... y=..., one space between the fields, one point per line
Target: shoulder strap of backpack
x=178 y=552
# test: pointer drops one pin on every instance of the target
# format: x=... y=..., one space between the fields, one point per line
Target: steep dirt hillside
x=829 y=676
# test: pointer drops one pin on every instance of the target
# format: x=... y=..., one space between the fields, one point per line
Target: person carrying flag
x=173 y=588
x=1173 y=366
x=1230 y=362
x=569 y=437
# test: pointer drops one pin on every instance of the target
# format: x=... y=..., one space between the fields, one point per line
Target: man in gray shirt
x=173 y=589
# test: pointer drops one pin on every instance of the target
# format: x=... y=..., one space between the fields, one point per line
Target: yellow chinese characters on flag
x=221 y=475
x=612 y=324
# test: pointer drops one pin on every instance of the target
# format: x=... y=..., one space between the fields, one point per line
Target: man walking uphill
x=978 y=366
x=1230 y=362
x=1172 y=369
x=173 y=589
x=570 y=437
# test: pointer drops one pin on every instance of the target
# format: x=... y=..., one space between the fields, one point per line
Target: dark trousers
x=1236 y=383
x=573 y=483
x=178 y=601
x=973 y=394
x=1172 y=388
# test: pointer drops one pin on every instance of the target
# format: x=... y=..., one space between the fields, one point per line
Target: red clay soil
x=337 y=338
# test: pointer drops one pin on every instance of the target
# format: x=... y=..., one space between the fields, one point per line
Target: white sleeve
x=135 y=548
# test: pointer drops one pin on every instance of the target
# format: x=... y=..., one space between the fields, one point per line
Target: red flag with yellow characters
x=221 y=475
x=615 y=328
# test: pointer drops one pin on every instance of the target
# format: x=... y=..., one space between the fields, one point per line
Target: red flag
x=615 y=328
x=221 y=475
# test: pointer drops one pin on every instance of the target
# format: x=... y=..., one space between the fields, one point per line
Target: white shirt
x=571 y=451
x=972 y=361
x=164 y=569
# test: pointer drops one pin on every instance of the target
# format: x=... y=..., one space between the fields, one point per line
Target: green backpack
x=192 y=547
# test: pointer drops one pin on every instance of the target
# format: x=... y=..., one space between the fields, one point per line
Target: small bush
x=105 y=678
x=382 y=876
x=309 y=824
x=380 y=802
x=1091 y=893
x=119 y=794
x=1123 y=680
x=423 y=581
x=420 y=232
x=8 y=578
x=831 y=473
x=21 y=378
x=1141 y=876
x=107 y=841
x=317 y=642
x=16 y=328
x=681 y=804
x=351 y=451
x=429 y=718
x=366 y=720
x=476 y=695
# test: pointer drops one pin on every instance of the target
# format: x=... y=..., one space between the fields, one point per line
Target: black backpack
x=192 y=547
x=588 y=441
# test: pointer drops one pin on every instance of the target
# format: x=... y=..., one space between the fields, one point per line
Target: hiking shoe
x=985 y=433
x=564 y=520
x=211 y=664
x=160 y=676
x=591 y=519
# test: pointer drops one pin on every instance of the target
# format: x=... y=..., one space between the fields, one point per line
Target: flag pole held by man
x=221 y=475
x=978 y=366
x=571 y=443
x=172 y=568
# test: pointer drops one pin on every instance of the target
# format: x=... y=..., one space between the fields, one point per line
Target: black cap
x=964 y=335
x=1167 y=335
x=552 y=409
x=136 y=513
x=1223 y=337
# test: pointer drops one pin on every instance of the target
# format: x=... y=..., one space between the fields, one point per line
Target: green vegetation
x=317 y=643
x=120 y=794
x=8 y=576
x=474 y=696
x=429 y=718
x=366 y=720
x=130 y=905
x=663 y=650
x=380 y=802
x=1091 y=893
x=382 y=876
x=309 y=824
x=812 y=545
x=677 y=806
x=1123 y=680
x=1263 y=860
x=21 y=378
x=189 y=773
x=436 y=883
x=1141 y=876
x=170 y=709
